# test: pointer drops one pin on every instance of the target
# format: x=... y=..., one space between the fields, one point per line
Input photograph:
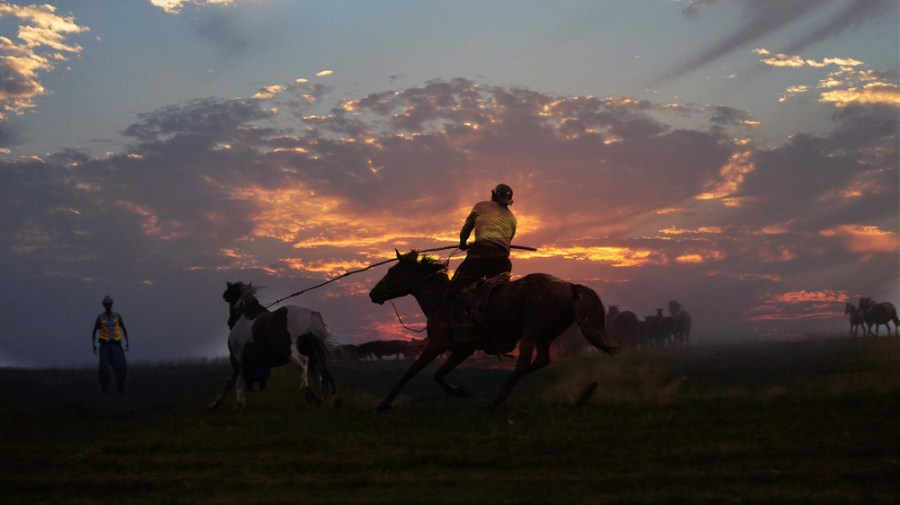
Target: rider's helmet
x=502 y=194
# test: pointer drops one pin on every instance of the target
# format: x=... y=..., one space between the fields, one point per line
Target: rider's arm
x=467 y=228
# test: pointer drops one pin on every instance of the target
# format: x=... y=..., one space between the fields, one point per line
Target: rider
x=494 y=226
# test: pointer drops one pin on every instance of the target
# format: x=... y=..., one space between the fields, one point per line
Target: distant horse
x=665 y=327
x=856 y=318
x=622 y=326
x=876 y=314
x=379 y=349
x=260 y=338
x=531 y=311
x=681 y=323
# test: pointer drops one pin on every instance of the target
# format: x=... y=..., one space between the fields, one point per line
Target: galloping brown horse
x=531 y=311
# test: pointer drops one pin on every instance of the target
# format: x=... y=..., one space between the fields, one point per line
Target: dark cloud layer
x=764 y=17
x=228 y=189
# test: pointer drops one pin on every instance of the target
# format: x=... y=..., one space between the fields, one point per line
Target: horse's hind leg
x=524 y=366
x=328 y=379
x=452 y=362
x=302 y=363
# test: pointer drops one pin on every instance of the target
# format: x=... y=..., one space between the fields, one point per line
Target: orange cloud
x=864 y=239
x=328 y=268
x=731 y=175
x=875 y=92
x=615 y=256
x=41 y=42
x=268 y=92
x=802 y=296
x=152 y=225
x=702 y=230
x=175 y=6
x=801 y=304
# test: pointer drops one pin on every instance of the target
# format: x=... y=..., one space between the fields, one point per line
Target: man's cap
x=503 y=194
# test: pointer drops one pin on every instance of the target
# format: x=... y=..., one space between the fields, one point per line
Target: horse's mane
x=429 y=263
x=247 y=303
x=248 y=290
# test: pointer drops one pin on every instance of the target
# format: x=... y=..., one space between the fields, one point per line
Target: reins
x=400 y=320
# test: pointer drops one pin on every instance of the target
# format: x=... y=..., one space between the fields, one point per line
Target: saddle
x=469 y=311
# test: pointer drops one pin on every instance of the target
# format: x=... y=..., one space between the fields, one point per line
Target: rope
x=373 y=265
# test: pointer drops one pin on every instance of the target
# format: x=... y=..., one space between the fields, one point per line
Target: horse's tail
x=591 y=319
x=322 y=347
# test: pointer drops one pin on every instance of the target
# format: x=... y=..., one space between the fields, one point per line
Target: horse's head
x=849 y=308
x=404 y=277
x=233 y=291
x=242 y=301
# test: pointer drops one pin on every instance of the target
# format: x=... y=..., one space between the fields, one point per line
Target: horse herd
x=379 y=349
x=656 y=330
x=870 y=313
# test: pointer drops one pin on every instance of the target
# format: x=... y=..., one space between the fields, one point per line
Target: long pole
x=373 y=265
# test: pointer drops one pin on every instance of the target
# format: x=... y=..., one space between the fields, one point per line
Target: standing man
x=112 y=329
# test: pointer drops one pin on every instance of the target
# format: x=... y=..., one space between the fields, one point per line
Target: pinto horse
x=261 y=339
x=531 y=311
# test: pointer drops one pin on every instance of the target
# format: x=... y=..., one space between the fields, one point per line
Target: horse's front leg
x=229 y=384
x=427 y=356
x=452 y=362
x=240 y=400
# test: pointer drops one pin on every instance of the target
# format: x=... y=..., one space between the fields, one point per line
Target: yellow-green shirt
x=493 y=223
x=110 y=327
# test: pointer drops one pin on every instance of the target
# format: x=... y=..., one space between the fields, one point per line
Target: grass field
x=807 y=422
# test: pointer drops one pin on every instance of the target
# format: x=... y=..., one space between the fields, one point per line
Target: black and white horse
x=260 y=338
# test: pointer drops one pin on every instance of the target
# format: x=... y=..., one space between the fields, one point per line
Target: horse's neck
x=430 y=294
x=253 y=310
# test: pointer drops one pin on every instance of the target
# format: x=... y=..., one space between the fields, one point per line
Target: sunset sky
x=739 y=156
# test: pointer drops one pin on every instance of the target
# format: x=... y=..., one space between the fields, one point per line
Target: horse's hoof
x=338 y=403
x=384 y=407
x=312 y=398
x=213 y=406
